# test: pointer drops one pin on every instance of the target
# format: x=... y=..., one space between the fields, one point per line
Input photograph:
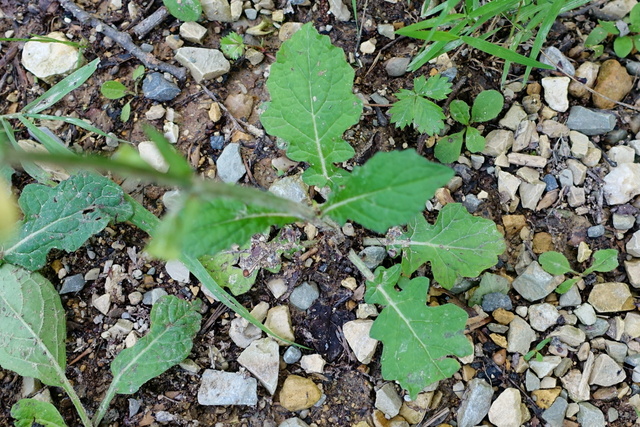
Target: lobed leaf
x=64 y=217
x=232 y=45
x=388 y=190
x=29 y=412
x=458 y=244
x=412 y=107
x=174 y=323
x=32 y=326
x=554 y=263
x=603 y=261
x=418 y=340
x=436 y=87
x=312 y=103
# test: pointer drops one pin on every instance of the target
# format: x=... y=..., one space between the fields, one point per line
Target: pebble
x=221 y=388
x=633 y=245
x=590 y=416
x=155 y=112
x=48 y=60
x=291 y=188
x=578 y=170
x=292 y=355
x=304 y=295
x=368 y=46
x=262 y=359
x=555 y=414
x=498 y=142
x=279 y=321
x=531 y=381
x=387 y=30
x=192 y=32
x=217 y=10
x=599 y=328
x=178 y=271
x=157 y=88
x=556 y=90
x=530 y=193
x=312 y=364
x=494 y=300
x=243 y=333
x=204 y=64
x=278 y=287
x=611 y=297
x=356 y=332
x=571 y=298
x=553 y=56
x=614 y=82
x=543 y=316
x=590 y=122
x=633 y=272
x=372 y=256
x=524 y=134
x=365 y=311
x=506 y=410
x=622 y=183
x=534 y=283
x=587 y=72
x=229 y=165
x=339 y=10
x=476 y=402
x=532 y=103
x=72 y=284
x=586 y=314
x=569 y=335
x=526 y=160
x=396 y=66
x=388 y=401
x=606 y=372
x=576 y=196
x=520 y=336
x=298 y=393
x=595 y=231
x=507 y=185
x=240 y=105
x=632 y=325
x=513 y=117
x=152 y=296
x=544 y=367
x=151 y=155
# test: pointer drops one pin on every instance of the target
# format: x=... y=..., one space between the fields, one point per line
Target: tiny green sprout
x=113 y=89
x=232 y=45
x=536 y=351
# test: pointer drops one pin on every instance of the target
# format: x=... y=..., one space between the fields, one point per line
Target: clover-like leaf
x=64 y=217
x=232 y=45
x=554 y=263
x=32 y=326
x=418 y=340
x=312 y=103
x=388 y=190
x=458 y=244
x=30 y=412
x=603 y=260
x=174 y=323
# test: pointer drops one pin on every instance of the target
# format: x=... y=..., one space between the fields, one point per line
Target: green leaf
x=224 y=269
x=64 y=217
x=458 y=244
x=61 y=89
x=623 y=46
x=28 y=412
x=418 y=340
x=138 y=72
x=178 y=165
x=185 y=10
x=503 y=53
x=174 y=324
x=459 y=111
x=554 y=263
x=448 y=148
x=436 y=87
x=312 y=103
x=412 y=108
x=490 y=283
x=604 y=260
x=232 y=45
x=113 y=90
x=126 y=112
x=32 y=326
x=609 y=26
x=487 y=105
x=474 y=141
x=388 y=190
x=634 y=15
x=564 y=287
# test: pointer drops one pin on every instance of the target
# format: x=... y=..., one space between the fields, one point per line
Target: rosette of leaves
x=487 y=105
x=113 y=89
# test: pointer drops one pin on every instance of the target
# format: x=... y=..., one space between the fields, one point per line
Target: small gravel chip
x=73 y=283
x=152 y=296
x=292 y=355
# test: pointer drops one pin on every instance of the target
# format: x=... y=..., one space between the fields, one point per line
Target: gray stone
x=555 y=414
x=520 y=336
x=388 y=401
x=543 y=316
x=291 y=188
x=530 y=193
x=623 y=222
x=193 y=32
x=204 y=64
x=633 y=245
x=586 y=314
x=153 y=295
x=471 y=203
x=495 y=300
x=217 y=10
x=507 y=185
x=292 y=355
x=569 y=335
x=216 y=142
x=356 y=332
x=571 y=298
x=598 y=329
x=566 y=178
x=372 y=256
x=590 y=416
x=476 y=402
x=513 y=117
x=606 y=372
x=590 y=122
x=157 y=88
x=553 y=56
x=498 y=142
x=262 y=359
x=614 y=10
x=531 y=381
x=633 y=67
x=177 y=271
x=534 y=283
x=617 y=350
x=595 y=231
x=304 y=295
x=550 y=182
x=396 y=66
x=230 y=165
x=47 y=60
x=544 y=367
x=73 y=283
x=221 y=388
x=293 y=422
x=576 y=196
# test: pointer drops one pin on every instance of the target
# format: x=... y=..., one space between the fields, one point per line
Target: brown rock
x=503 y=316
x=513 y=224
x=379 y=420
x=299 y=393
x=611 y=297
x=545 y=398
x=239 y=105
x=614 y=82
x=542 y=242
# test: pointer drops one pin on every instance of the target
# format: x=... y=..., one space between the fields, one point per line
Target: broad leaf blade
x=458 y=244
x=449 y=147
x=564 y=287
x=487 y=105
x=554 y=263
x=418 y=340
x=174 y=323
x=29 y=412
x=32 y=326
x=412 y=107
x=603 y=261
x=460 y=111
x=64 y=217
x=474 y=141
x=312 y=103
x=113 y=89
x=224 y=269
x=388 y=190
x=185 y=10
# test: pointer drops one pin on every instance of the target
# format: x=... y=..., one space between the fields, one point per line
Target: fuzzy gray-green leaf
x=64 y=217
x=32 y=326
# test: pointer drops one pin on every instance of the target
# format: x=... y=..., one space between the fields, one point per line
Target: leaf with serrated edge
x=174 y=323
x=413 y=108
x=554 y=263
x=388 y=190
x=312 y=103
x=458 y=244
x=32 y=326
x=603 y=260
x=28 y=412
x=64 y=217
x=417 y=340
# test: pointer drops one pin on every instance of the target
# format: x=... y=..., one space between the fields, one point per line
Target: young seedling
x=536 y=351
x=487 y=105
x=556 y=263
x=626 y=32
x=113 y=89
x=232 y=45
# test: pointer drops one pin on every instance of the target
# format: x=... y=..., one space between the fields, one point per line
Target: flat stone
x=495 y=300
x=219 y=388
x=157 y=88
x=543 y=316
x=614 y=10
x=356 y=332
x=177 y=271
x=606 y=372
x=72 y=284
x=48 y=60
x=304 y=295
x=555 y=414
x=524 y=134
x=476 y=402
x=217 y=10
x=587 y=72
x=262 y=359
x=498 y=142
x=372 y=256
x=632 y=324
x=590 y=122
x=291 y=188
x=531 y=381
x=507 y=186
x=293 y=422
x=610 y=297
x=632 y=268
x=579 y=144
x=338 y=9
x=298 y=393
x=254 y=56
x=545 y=397
x=622 y=183
x=312 y=364
x=240 y=105
x=586 y=314
x=396 y=66
x=544 y=367
x=530 y=193
x=513 y=117
x=387 y=30
x=229 y=164
x=193 y=32
x=553 y=56
x=506 y=410
x=578 y=171
x=388 y=401
x=621 y=154
x=520 y=336
x=553 y=129
x=613 y=82
x=590 y=416
x=279 y=321
x=569 y=335
x=534 y=283
x=571 y=298
x=556 y=90
x=526 y=160
x=204 y=64
x=576 y=196
x=599 y=328
x=577 y=383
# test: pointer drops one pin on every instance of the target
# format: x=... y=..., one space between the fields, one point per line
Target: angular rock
x=611 y=297
x=544 y=367
x=151 y=155
x=157 y=88
x=633 y=272
x=632 y=324
x=556 y=412
x=498 y=142
x=304 y=295
x=590 y=122
x=356 y=332
x=543 y=316
x=292 y=355
x=614 y=10
x=204 y=64
x=47 y=60
x=312 y=364
x=520 y=336
x=586 y=314
x=262 y=359
x=152 y=296
x=553 y=56
x=177 y=271
x=534 y=283
x=506 y=410
x=606 y=372
x=556 y=91
x=230 y=165
x=221 y=388
x=590 y=416
x=587 y=72
x=577 y=383
x=279 y=321
x=388 y=401
x=514 y=116
x=476 y=402
x=622 y=183
x=298 y=393
x=291 y=188
x=633 y=245
x=613 y=82
x=569 y=335
x=72 y=284
x=338 y=9
x=217 y=10
x=193 y=32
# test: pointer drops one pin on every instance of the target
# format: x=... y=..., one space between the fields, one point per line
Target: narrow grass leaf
x=503 y=53
x=30 y=412
x=178 y=165
x=32 y=326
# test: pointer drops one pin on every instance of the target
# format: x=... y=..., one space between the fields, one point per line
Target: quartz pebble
x=556 y=91
x=221 y=388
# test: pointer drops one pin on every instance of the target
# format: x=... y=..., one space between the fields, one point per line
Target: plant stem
x=66 y=385
x=359 y=264
x=104 y=405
